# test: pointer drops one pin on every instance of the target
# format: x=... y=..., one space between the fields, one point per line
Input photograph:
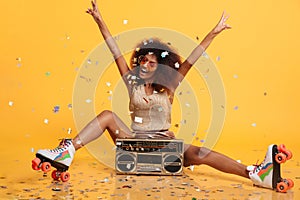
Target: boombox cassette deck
x=149 y=156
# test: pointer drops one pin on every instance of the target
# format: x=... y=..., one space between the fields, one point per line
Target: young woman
x=152 y=78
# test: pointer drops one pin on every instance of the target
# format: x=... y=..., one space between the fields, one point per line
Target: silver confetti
x=10 y=103
x=164 y=54
x=88 y=100
x=138 y=119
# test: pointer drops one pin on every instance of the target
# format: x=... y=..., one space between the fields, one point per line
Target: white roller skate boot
x=60 y=158
x=267 y=174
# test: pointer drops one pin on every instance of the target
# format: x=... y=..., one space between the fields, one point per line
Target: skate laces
x=63 y=145
x=258 y=167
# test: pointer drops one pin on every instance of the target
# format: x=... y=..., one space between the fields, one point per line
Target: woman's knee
x=105 y=115
x=105 y=118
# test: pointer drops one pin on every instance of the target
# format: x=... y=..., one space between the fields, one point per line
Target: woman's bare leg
x=106 y=120
x=194 y=155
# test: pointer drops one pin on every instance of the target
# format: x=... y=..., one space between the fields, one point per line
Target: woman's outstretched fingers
x=222 y=24
x=94 y=11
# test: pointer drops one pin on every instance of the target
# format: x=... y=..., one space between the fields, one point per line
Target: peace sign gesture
x=94 y=11
x=222 y=24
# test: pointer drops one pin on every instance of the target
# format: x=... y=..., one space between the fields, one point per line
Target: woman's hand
x=94 y=11
x=168 y=134
x=221 y=24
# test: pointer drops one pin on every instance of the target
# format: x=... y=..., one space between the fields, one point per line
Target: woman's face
x=148 y=65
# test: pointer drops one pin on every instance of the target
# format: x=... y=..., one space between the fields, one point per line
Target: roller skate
x=60 y=158
x=267 y=174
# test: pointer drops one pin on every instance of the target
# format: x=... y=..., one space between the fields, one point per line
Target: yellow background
x=43 y=44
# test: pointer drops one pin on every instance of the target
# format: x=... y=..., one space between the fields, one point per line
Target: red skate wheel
x=283 y=149
x=289 y=154
x=290 y=183
x=46 y=167
x=280 y=158
x=35 y=164
x=282 y=187
x=65 y=176
x=55 y=175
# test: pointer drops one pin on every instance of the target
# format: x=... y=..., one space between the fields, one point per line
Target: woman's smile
x=148 y=66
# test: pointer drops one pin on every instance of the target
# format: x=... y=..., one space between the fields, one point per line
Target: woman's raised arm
x=204 y=44
x=111 y=43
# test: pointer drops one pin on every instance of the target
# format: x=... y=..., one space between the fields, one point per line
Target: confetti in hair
x=164 y=54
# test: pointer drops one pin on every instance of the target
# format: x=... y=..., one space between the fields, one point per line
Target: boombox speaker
x=149 y=156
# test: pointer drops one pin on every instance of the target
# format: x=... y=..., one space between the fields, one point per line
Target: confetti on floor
x=92 y=180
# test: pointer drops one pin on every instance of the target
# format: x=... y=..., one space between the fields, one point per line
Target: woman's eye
x=152 y=64
x=142 y=59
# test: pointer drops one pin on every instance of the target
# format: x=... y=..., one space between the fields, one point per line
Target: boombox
x=149 y=156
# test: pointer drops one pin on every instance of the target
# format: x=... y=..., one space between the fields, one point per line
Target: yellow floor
x=92 y=180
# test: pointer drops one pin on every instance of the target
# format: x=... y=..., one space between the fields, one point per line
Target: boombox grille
x=149 y=156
